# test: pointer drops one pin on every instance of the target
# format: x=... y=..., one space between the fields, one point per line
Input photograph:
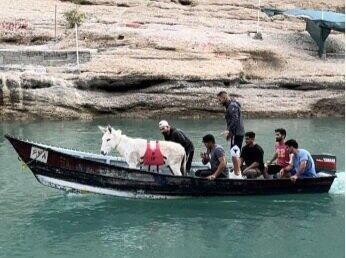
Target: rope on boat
x=26 y=164
x=22 y=164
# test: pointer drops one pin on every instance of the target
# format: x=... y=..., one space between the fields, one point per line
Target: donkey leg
x=132 y=165
x=175 y=169
x=133 y=160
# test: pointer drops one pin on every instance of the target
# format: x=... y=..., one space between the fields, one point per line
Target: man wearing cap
x=176 y=135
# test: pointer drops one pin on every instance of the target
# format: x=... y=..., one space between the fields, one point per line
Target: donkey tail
x=183 y=165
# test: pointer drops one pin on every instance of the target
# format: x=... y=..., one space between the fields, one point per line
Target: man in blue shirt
x=303 y=164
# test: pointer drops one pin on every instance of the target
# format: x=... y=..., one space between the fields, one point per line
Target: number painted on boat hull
x=39 y=154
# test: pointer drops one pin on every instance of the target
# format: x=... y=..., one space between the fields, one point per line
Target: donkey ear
x=102 y=129
x=109 y=128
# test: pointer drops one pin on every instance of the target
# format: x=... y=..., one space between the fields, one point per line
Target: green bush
x=74 y=17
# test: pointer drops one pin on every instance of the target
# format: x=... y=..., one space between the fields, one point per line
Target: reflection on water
x=204 y=225
x=37 y=221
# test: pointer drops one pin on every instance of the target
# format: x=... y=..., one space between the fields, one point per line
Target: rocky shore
x=159 y=58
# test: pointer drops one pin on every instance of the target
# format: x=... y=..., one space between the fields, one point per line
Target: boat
x=74 y=170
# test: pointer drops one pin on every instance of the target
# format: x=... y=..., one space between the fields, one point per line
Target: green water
x=37 y=221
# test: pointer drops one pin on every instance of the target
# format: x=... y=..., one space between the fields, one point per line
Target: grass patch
x=74 y=17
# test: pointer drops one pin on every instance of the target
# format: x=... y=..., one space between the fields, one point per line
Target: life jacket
x=153 y=156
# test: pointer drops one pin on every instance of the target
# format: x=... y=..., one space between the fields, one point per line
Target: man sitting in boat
x=303 y=165
x=216 y=156
x=281 y=156
x=252 y=155
x=178 y=136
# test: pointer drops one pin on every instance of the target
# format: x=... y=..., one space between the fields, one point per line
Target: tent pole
x=258 y=14
x=77 y=47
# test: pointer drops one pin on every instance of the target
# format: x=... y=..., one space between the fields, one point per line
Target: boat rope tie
x=26 y=164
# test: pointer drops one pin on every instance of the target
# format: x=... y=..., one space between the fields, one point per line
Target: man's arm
x=241 y=161
x=274 y=158
x=180 y=138
x=302 y=167
x=233 y=119
x=252 y=166
x=289 y=167
x=205 y=158
x=220 y=168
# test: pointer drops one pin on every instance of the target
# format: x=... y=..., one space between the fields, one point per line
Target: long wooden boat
x=87 y=172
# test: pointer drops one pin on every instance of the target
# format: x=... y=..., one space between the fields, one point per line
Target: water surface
x=37 y=221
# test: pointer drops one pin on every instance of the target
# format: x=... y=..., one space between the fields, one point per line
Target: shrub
x=74 y=17
x=334 y=45
x=81 y=2
x=186 y=2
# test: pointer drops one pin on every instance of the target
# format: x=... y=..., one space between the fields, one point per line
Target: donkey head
x=110 y=139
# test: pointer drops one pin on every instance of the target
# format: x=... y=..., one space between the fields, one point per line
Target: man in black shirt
x=252 y=155
x=176 y=135
x=234 y=132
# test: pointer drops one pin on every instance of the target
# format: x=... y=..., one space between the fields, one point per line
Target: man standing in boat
x=176 y=135
x=235 y=128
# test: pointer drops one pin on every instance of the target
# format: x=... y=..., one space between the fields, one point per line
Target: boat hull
x=72 y=172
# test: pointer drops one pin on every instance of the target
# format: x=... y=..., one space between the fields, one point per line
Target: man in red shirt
x=281 y=155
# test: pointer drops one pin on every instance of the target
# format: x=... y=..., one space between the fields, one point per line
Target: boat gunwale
x=131 y=170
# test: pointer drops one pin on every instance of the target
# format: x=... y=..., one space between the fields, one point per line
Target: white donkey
x=133 y=149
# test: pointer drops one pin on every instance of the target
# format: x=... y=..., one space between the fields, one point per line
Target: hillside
x=153 y=58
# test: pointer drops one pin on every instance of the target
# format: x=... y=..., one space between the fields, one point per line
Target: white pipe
x=77 y=50
x=55 y=22
x=258 y=14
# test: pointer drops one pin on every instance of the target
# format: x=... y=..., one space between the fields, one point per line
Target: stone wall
x=43 y=57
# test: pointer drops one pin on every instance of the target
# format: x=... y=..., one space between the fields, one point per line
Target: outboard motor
x=325 y=163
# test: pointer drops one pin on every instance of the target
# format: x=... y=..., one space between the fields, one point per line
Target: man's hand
x=225 y=134
x=211 y=177
x=204 y=156
x=294 y=178
x=282 y=172
x=268 y=162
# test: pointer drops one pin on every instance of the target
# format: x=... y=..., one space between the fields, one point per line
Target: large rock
x=164 y=57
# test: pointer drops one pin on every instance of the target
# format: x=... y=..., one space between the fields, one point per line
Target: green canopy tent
x=318 y=23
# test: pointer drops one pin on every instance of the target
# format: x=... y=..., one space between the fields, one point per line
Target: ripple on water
x=338 y=186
